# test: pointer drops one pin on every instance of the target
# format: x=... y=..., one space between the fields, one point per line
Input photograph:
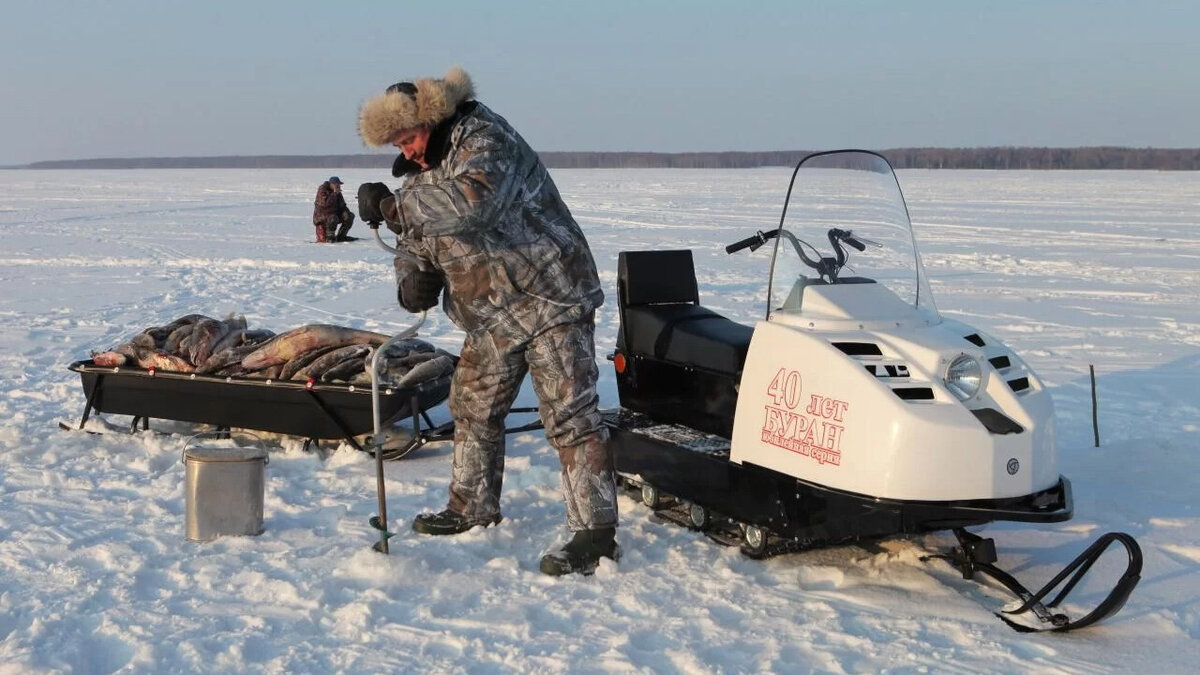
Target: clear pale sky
x=187 y=78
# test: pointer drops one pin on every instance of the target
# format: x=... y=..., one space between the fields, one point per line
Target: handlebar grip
x=753 y=243
x=856 y=243
x=748 y=241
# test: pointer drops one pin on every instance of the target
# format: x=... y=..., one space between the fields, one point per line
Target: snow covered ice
x=1068 y=268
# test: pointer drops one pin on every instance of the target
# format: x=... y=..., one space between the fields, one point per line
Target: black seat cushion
x=688 y=334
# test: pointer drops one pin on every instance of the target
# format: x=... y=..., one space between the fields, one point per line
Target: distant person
x=331 y=218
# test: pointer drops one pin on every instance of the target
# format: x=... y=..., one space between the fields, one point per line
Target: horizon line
x=1001 y=156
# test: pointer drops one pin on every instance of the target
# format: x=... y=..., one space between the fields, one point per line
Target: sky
x=173 y=78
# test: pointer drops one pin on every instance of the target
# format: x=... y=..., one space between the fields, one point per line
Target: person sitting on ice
x=478 y=207
x=330 y=212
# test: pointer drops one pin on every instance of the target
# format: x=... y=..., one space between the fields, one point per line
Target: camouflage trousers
x=328 y=229
x=561 y=362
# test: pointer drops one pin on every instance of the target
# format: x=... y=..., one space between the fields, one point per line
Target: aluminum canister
x=224 y=489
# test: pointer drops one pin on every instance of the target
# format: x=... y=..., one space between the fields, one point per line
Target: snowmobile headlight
x=964 y=376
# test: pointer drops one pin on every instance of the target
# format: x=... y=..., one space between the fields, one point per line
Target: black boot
x=582 y=554
x=448 y=522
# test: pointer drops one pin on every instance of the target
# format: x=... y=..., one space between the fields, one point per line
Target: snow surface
x=1069 y=268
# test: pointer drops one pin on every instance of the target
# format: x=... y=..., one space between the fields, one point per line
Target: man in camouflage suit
x=330 y=212
x=481 y=212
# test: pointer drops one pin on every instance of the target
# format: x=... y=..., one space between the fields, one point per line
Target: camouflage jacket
x=329 y=205
x=490 y=219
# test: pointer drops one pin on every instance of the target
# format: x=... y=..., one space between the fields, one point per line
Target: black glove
x=387 y=208
x=417 y=290
x=369 y=197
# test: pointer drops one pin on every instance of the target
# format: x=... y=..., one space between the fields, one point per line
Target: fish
x=318 y=367
x=225 y=358
x=160 y=360
x=109 y=358
x=403 y=348
x=201 y=344
x=207 y=333
x=233 y=338
x=177 y=336
x=391 y=370
x=126 y=352
x=143 y=341
x=400 y=356
x=293 y=366
x=185 y=345
x=161 y=333
x=346 y=369
x=414 y=358
x=189 y=318
x=287 y=346
x=235 y=321
x=432 y=369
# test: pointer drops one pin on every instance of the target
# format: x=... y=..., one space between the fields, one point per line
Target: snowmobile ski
x=975 y=554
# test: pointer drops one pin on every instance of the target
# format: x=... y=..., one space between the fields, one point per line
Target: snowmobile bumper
x=1052 y=505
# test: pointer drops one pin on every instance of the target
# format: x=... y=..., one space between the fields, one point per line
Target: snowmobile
x=851 y=411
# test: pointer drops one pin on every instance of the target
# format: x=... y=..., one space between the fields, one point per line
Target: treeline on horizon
x=1102 y=157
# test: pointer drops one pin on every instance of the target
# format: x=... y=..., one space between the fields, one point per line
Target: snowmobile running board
x=976 y=554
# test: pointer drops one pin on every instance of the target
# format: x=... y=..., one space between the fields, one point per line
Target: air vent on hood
x=1019 y=384
x=887 y=370
x=974 y=339
x=997 y=422
x=914 y=393
x=858 y=348
x=872 y=355
x=1000 y=362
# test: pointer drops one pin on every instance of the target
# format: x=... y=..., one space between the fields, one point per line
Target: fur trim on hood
x=435 y=101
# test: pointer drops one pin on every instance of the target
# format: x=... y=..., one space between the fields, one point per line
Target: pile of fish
x=324 y=353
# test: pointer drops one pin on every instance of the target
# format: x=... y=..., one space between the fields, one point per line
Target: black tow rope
x=976 y=554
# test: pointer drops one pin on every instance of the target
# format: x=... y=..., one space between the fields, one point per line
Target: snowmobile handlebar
x=827 y=267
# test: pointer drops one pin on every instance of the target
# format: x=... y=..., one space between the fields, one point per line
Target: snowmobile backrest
x=656 y=277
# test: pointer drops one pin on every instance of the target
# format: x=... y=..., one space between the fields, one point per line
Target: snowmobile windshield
x=845 y=222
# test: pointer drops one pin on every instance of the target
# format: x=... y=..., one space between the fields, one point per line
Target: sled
x=310 y=410
x=851 y=411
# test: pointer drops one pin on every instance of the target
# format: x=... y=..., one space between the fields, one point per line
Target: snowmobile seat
x=661 y=315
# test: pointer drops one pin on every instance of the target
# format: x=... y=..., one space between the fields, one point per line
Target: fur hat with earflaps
x=407 y=105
